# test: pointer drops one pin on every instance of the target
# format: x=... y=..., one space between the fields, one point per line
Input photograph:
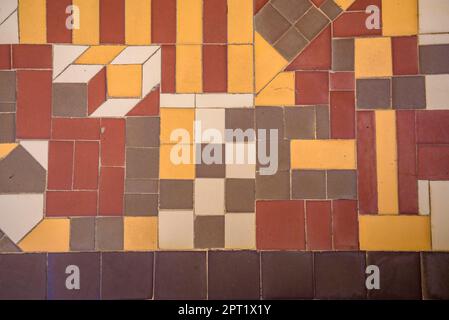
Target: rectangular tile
x=215 y=21
x=215 y=64
x=89 y=31
x=345 y=229
x=342 y=114
x=112 y=21
x=189 y=22
x=318 y=225
x=71 y=203
x=438 y=217
x=240 y=69
x=111 y=190
x=188 y=68
x=138 y=22
x=86 y=162
x=112 y=142
x=57 y=32
x=32 y=21
x=163 y=21
x=60 y=165
x=240 y=21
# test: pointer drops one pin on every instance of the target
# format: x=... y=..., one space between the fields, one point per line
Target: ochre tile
x=240 y=21
x=50 y=235
x=6 y=148
x=32 y=21
x=170 y=170
x=280 y=91
x=89 y=31
x=188 y=69
x=399 y=17
x=124 y=81
x=344 y=4
x=240 y=68
x=138 y=22
x=189 y=21
x=100 y=54
x=373 y=57
x=176 y=118
x=140 y=233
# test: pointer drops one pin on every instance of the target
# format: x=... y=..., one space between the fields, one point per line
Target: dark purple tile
x=435 y=275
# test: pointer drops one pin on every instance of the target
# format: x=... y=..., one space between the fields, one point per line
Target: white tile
x=9 y=30
x=241 y=171
x=151 y=71
x=175 y=100
x=135 y=55
x=430 y=39
x=209 y=197
x=240 y=153
x=224 y=100
x=115 y=108
x=439 y=203
x=79 y=73
x=437 y=91
x=20 y=213
x=64 y=55
x=210 y=125
x=240 y=231
x=433 y=16
x=6 y=8
x=38 y=149
x=175 y=229
x=423 y=197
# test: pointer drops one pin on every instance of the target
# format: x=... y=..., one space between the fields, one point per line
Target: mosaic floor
x=306 y=139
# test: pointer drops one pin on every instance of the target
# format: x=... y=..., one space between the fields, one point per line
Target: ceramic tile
x=240 y=230
x=209 y=197
x=291 y=9
x=209 y=232
x=312 y=23
x=409 y=92
x=109 y=233
x=373 y=93
x=82 y=234
x=270 y=23
x=435 y=275
x=240 y=194
x=308 y=184
x=275 y=186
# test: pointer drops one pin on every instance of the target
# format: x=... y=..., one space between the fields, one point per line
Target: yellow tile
x=7 y=148
x=280 y=91
x=89 y=31
x=50 y=235
x=140 y=233
x=323 y=154
x=138 y=22
x=240 y=69
x=344 y=4
x=373 y=57
x=394 y=233
x=240 y=21
x=124 y=81
x=268 y=62
x=387 y=166
x=170 y=169
x=176 y=118
x=188 y=69
x=32 y=21
x=399 y=17
x=190 y=21
x=100 y=54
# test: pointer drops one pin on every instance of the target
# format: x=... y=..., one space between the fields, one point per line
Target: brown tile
x=239 y=118
x=312 y=23
x=213 y=170
x=7 y=107
x=318 y=225
x=89 y=267
x=342 y=184
x=82 y=234
x=270 y=118
x=290 y=44
x=433 y=59
x=141 y=186
x=7 y=128
x=234 y=275
x=215 y=64
x=240 y=195
x=287 y=275
x=142 y=131
x=180 y=276
x=270 y=23
x=283 y=155
x=142 y=163
x=7 y=246
x=291 y=9
x=127 y=275
x=409 y=92
x=109 y=233
x=373 y=94
x=7 y=86
x=275 y=186
x=340 y=275
x=176 y=194
x=308 y=184
x=209 y=232
x=331 y=9
x=343 y=54
x=322 y=122
x=345 y=226
x=69 y=100
x=24 y=276
x=141 y=204
x=435 y=275
x=300 y=123
x=432 y=126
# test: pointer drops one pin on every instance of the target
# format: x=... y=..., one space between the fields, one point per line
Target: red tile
x=57 y=31
x=258 y=4
x=215 y=21
x=32 y=56
x=318 y=3
x=433 y=162
x=345 y=226
x=432 y=126
x=113 y=142
x=71 y=203
x=312 y=87
x=75 y=129
x=85 y=168
x=110 y=198
x=319 y=225
x=366 y=162
x=168 y=80
x=280 y=225
x=112 y=21
x=407 y=180
x=361 y=5
x=342 y=112
x=341 y=81
x=5 y=56
x=352 y=24
x=316 y=56
x=34 y=94
x=96 y=91
x=163 y=21
x=215 y=68
x=405 y=55
x=60 y=165
x=149 y=106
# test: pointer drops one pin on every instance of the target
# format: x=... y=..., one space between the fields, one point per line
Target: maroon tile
x=57 y=32
x=342 y=81
x=215 y=22
x=112 y=142
x=86 y=162
x=168 y=72
x=433 y=162
x=112 y=21
x=435 y=275
x=76 y=129
x=32 y=56
x=280 y=225
x=287 y=275
x=33 y=104
x=366 y=162
x=5 y=56
x=96 y=91
x=432 y=126
x=215 y=68
x=61 y=268
x=352 y=24
x=340 y=275
x=149 y=106
x=342 y=111
x=163 y=22
x=180 y=276
x=318 y=225
x=111 y=191
x=407 y=173
x=127 y=275
x=405 y=55
x=312 y=87
x=71 y=203
x=345 y=227
x=60 y=165
x=234 y=275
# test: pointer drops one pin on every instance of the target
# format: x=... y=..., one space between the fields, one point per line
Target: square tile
x=331 y=9
x=373 y=93
x=311 y=24
x=276 y=186
x=270 y=118
x=109 y=233
x=308 y=184
x=292 y=9
x=176 y=229
x=177 y=162
x=142 y=131
x=209 y=196
x=373 y=57
x=240 y=230
x=312 y=87
x=215 y=167
x=291 y=43
x=211 y=125
x=142 y=163
x=300 y=123
x=69 y=100
x=240 y=194
x=399 y=18
x=409 y=92
x=239 y=118
x=140 y=233
x=176 y=194
x=270 y=23
x=341 y=184
x=209 y=232
x=437 y=93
